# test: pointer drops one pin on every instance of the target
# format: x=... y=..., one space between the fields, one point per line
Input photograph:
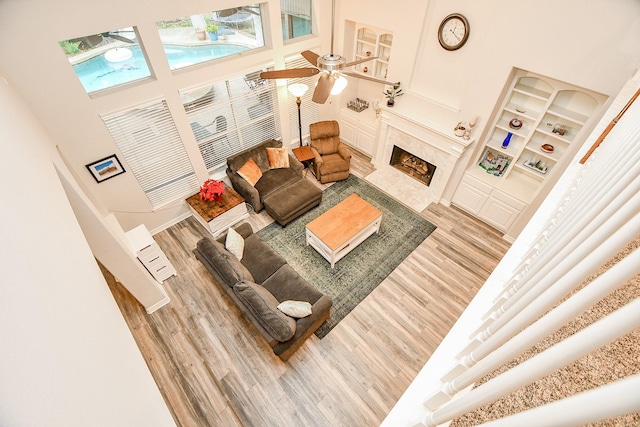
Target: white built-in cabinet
x=544 y=121
x=359 y=130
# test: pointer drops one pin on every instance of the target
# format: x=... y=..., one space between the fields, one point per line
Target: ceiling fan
x=330 y=67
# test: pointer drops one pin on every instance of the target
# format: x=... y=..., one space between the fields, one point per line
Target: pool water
x=98 y=73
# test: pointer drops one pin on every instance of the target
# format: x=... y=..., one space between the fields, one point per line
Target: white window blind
x=149 y=141
x=309 y=110
x=230 y=116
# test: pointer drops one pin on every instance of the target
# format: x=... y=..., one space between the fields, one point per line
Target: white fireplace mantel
x=429 y=141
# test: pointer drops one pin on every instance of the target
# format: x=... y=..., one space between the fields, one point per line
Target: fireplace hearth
x=412 y=165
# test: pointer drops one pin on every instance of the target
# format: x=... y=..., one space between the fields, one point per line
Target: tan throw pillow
x=278 y=158
x=250 y=171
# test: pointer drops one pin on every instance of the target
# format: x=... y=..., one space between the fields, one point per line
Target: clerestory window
x=296 y=18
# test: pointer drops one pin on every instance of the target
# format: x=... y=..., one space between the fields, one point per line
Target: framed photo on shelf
x=106 y=168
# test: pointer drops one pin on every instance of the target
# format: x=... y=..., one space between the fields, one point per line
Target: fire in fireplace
x=412 y=165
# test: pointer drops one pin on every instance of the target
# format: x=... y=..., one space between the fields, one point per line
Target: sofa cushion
x=286 y=284
x=278 y=158
x=250 y=172
x=234 y=243
x=276 y=179
x=260 y=258
x=264 y=307
x=223 y=262
x=333 y=163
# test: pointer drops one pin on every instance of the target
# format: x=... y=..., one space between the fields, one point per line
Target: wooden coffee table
x=342 y=228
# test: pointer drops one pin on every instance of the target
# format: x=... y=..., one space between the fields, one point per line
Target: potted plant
x=201 y=33
x=212 y=190
x=391 y=94
x=213 y=31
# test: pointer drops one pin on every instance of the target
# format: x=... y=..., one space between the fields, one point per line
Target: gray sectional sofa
x=272 y=181
x=258 y=283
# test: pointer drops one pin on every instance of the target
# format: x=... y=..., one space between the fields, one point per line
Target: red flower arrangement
x=212 y=190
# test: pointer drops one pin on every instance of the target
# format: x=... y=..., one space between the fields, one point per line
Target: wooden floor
x=213 y=369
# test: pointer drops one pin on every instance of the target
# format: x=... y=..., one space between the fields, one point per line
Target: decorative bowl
x=515 y=124
x=547 y=148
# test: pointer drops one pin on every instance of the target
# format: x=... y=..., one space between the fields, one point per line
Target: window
x=309 y=110
x=107 y=59
x=149 y=141
x=230 y=116
x=296 y=18
x=199 y=38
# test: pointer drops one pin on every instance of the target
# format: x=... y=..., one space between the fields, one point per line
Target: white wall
x=67 y=357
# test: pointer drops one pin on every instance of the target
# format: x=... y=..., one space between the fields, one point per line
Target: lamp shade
x=339 y=85
x=298 y=89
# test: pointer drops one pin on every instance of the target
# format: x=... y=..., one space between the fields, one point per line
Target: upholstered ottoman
x=290 y=202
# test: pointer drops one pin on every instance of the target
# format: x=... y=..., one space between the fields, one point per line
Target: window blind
x=230 y=116
x=149 y=141
x=309 y=110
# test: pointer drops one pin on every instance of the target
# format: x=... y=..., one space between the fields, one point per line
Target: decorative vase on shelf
x=390 y=103
x=507 y=140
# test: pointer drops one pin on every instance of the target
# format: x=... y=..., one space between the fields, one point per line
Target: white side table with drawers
x=150 y=254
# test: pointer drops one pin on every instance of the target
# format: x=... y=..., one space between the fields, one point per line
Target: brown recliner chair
x=332 y=157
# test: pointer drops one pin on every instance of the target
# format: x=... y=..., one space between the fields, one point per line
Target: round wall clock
x=453 y=32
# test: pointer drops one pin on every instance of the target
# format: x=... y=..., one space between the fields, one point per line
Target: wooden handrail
x=609 y=127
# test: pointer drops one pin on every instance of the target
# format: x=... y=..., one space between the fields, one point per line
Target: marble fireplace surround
x=425 y=141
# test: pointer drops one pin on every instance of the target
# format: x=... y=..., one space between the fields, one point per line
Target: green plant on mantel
x=392 y=93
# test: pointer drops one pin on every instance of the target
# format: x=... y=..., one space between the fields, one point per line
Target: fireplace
x=412 y=165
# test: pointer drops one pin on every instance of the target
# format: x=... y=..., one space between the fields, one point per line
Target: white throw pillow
x=234 y=243
x=295 y=308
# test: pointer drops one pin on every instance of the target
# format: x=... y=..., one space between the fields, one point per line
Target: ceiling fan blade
x=359 y=61
x=371 y=79
x=289 y=74
x=323 y=88
x=310 y=56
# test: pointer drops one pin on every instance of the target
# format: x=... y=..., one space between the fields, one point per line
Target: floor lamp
x=298 y=90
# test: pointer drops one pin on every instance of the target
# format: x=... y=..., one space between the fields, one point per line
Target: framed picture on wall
x=106 y=168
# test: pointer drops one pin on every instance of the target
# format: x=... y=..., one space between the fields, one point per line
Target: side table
x=219 y=216
x=150 y=254
x=304 y=156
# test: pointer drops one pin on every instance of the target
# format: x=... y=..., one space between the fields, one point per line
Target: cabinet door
x=365 y=142
x=471 y=194
x=469 y=198
x=366 y=139
x=348 y=132
x=498 y=213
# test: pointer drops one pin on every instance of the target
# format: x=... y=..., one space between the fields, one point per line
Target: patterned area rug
x=358 y=273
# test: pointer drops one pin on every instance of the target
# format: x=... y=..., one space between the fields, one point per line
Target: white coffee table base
x=341 y=251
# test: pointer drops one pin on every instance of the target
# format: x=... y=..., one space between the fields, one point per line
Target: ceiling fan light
x=339 y=85
x=298 y=89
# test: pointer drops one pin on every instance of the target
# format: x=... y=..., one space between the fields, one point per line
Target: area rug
x=362 y=270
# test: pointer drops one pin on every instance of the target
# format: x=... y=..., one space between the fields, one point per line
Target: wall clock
x=453 y=32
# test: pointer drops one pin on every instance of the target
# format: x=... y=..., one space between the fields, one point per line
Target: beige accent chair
x=332 y=157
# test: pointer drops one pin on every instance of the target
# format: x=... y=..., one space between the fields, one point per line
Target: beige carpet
x=617 y=360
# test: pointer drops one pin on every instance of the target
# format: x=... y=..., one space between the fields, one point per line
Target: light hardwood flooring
x=213 y=369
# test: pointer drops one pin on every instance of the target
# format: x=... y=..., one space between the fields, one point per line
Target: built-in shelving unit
x=373 y=42
x=544 y=122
